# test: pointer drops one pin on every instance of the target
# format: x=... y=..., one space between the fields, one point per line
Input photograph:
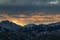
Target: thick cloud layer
x=28 y=2
x=23 y=19
x=30 y=11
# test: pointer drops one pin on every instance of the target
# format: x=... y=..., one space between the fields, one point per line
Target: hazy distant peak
x=30 y=25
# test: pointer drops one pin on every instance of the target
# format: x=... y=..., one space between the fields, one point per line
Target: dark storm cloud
x=30 y=11
x=29 y=6
x=25 y=2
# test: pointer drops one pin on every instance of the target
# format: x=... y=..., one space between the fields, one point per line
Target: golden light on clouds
x=23 y=19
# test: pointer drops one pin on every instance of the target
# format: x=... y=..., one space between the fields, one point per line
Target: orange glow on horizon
x=23 y=19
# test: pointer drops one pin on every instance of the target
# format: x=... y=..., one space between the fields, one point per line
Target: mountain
x=12 y=31
x=9 y=25
x=29 y=25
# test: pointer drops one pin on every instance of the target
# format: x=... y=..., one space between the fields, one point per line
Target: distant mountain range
x=12 y=31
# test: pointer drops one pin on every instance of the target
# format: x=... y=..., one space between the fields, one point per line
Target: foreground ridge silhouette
x=12 y=31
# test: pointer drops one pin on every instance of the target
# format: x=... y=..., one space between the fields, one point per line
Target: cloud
x=30 y=14
x=2 y=2
x=23 y=19
x=25 y=2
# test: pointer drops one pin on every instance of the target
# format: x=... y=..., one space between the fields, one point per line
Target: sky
x=29 y=2
x=24 y=12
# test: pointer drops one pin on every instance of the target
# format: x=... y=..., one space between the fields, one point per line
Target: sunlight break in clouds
x=53 y=2
x=23 y=19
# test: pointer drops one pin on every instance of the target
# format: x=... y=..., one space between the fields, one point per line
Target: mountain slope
x=12 y=31
x=9 y=25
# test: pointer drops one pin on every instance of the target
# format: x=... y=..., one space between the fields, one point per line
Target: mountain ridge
x=6 y=21
x=11 y=31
